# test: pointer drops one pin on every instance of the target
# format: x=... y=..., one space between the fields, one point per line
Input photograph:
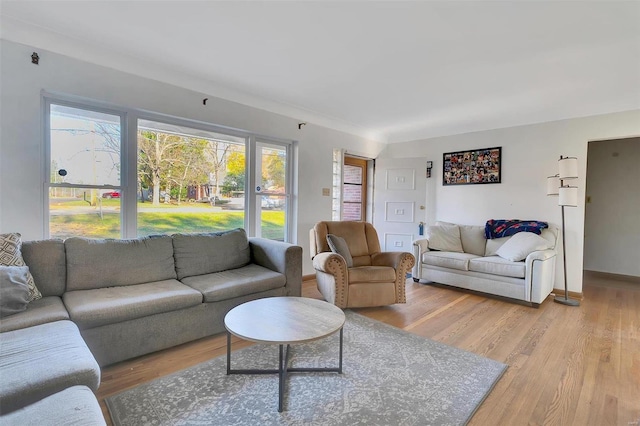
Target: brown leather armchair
x=376 y=278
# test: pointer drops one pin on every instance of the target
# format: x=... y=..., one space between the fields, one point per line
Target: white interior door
x=399 y=203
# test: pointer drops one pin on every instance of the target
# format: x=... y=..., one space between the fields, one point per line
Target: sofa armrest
x=540 y=255
x=420 y=247
x=540 y=274
x=280 y=257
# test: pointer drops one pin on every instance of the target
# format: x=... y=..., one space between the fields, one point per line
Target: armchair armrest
x=280 y=257
x=332 y=277
x=398 y=260
x=330 y=263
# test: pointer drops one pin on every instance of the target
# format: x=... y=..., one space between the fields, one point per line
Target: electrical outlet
x=326 y=192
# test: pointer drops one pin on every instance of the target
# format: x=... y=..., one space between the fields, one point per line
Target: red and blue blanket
x=498 y=228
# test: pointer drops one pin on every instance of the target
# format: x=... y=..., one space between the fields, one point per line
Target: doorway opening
x=612 y=207
x=352 y=187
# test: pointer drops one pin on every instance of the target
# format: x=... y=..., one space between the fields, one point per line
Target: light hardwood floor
x=567 y=366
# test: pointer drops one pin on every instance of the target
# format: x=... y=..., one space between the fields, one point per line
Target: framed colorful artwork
x=474 y=166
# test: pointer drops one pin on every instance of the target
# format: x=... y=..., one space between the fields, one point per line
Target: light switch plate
x=326 y=192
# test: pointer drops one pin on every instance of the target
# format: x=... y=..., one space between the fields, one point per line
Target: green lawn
x=164 y=222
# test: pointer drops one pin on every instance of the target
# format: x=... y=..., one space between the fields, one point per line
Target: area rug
x=390 y=377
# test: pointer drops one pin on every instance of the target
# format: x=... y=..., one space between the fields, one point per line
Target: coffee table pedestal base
x=282 y=370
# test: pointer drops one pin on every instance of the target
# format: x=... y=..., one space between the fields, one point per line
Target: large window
x=189 y=180
x=161 y=176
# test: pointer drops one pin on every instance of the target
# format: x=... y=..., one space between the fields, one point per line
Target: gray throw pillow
x=339 y=245
x=14 y=289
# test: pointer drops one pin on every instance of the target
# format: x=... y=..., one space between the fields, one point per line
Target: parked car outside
x=111 y=194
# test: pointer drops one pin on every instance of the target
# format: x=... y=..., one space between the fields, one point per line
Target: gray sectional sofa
x=125 y=298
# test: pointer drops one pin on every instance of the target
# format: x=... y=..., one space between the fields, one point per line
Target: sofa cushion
x=11 y=255
x=234 y=283
x=521 y=244
x=472 y=238
x=445 y=259
x=495 y=265
x=41 y=311
x=199 y=254
x=14 y=290
x=76 y=405
x=98 y=263
x=444 y=238
x=38 y=361
x=339 y=245
x=371 y=274
x=47 y=263
x=102 y=306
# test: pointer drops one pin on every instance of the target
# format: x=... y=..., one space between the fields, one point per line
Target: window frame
x=47 y=185
x=129 y=161
x=256 y=224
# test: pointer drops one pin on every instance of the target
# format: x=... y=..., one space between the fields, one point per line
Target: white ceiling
x=392 y=71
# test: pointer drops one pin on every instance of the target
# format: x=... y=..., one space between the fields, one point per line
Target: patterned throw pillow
x=10 y=255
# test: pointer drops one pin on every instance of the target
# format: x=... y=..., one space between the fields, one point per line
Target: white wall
x=21 y=140
x=529 y=155
x=612 y=217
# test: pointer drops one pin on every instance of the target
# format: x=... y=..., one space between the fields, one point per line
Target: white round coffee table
x=283 y=321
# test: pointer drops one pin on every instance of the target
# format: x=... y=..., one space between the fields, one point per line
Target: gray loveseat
x=126 y=298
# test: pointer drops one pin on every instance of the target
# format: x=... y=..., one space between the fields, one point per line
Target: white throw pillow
x=494 y=244
x=444 y=238
x=521 y=244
